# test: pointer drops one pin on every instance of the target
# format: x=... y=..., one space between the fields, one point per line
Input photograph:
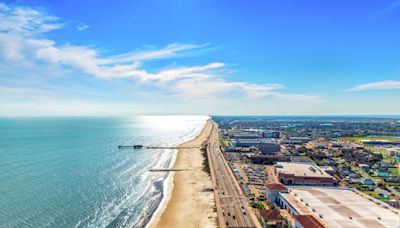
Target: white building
x=339 y=207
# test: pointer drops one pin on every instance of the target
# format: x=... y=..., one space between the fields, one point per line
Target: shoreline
x=184 y=203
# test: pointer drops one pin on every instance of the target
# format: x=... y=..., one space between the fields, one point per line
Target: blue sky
x=200 y=57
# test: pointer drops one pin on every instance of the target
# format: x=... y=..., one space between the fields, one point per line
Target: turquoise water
x=69 y=172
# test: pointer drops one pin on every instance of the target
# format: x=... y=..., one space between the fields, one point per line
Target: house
x=270 y=218
x=367 y=181
x=364 y=167
x=328 y=169
x=390 y=177
x=393 y=202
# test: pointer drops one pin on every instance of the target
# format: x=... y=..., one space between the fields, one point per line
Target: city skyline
x=148 y=57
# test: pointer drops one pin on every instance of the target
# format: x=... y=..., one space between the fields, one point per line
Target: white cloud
x=82 y=27
x=25 y=21
x=23 y=38
x=215 y=89
x=168 y=51
x=24 y=42
x=212 y=88
x=381 y=85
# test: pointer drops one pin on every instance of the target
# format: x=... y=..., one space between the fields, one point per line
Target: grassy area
x=220 y=140
x=206 y=167
x=258 y=205
x=373 y=194
x=312 y=160
x=358 y=139
x=393 y=183
x=357 y=186
x=382 y=199
x=224 y=141
x=394 y=171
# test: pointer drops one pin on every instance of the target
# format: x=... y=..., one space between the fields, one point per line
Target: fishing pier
x=137 y=147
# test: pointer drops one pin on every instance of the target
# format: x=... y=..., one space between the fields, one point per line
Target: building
x=246 y=135
x=291 y=142
x=307 y=221
x=367 y=181
x=268 y=159
x=390 y=177
x=272 y=192
x=270 y=134
x=241 y=149
x=303 y=173
x=395 y=151
x=315 y=145
x=266 y=146
x=364 y=167
x=338 y=207
x=328 y=169
x=242 y=142
x=270 y=218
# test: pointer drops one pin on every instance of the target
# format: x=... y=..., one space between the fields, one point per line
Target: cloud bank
x=25 y=44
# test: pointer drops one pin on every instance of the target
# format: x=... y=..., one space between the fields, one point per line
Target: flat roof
x=303 y=169
x=341 y=207
x=255 y=140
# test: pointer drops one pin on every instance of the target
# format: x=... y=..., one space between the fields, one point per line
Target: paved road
x=233 y=211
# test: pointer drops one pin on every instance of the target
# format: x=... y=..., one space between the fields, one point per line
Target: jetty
x=165 y=170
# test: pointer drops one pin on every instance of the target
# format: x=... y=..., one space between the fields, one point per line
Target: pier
x=157 y=147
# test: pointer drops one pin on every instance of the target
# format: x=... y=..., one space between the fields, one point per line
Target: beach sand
x=189 y=205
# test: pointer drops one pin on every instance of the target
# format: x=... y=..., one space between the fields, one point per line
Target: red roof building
x=273 y=191
x=270 y=217
x=274 y=187
x=307 y=221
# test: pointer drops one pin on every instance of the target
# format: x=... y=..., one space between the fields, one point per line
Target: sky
x=228 y=57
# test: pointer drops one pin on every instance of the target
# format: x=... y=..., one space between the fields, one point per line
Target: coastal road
x=232 y=205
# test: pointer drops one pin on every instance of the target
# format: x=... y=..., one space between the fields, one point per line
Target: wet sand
x=188 y=204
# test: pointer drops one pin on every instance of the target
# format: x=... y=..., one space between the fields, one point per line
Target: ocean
x=69 y=172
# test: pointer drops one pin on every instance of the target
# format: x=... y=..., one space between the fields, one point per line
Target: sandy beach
x=188 y=204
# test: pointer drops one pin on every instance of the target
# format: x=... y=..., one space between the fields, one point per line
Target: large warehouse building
x=338 y=207
x=303 y=173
